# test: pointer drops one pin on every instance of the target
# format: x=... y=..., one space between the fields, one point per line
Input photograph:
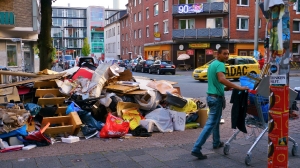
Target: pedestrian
x=216 y=102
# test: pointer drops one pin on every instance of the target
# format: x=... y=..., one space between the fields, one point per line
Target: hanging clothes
x=239 y=100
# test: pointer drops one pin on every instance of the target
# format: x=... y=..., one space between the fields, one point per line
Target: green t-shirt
x=214 y=86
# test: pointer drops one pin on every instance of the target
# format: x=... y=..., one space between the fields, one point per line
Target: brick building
x=19 y=28
x=196 y=27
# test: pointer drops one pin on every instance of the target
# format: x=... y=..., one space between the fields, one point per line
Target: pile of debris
x=86 y=101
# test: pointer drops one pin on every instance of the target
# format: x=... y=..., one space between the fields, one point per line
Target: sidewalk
x=160 y=150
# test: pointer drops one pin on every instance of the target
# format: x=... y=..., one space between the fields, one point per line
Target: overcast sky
x=86 y=3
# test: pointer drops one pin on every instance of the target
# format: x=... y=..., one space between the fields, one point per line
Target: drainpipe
x=256 y=30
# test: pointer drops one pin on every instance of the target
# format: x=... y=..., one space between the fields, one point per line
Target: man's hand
x=227 y=88
x=243 y=88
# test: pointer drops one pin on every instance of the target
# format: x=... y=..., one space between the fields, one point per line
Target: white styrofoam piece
x=70 y=139
x=28 y=147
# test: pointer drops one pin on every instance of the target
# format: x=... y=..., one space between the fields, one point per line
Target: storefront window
x=11 y=55
x=295 y=47
x=166 y=55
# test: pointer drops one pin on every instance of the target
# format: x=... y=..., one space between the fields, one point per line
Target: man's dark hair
x=220 y=49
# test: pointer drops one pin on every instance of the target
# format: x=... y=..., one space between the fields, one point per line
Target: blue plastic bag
x=72 y=107
x=33 y=108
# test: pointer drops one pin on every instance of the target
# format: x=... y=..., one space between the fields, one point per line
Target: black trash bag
x=140 y=131
x=99 y=112
x=88 y=131
x=128 y=99
x=175 y=100
x=88 y=119
x=294 y=106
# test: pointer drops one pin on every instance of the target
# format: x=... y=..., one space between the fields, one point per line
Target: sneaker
x=221 y=144
x=199 y=155
x=222 y=121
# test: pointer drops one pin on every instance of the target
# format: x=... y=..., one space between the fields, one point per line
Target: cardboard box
x=202 y=113
x=10 y=93
x=279 y=101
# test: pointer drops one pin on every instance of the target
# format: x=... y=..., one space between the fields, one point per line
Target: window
x=259 y=23
x=296 y=27
x=166 y=26
x=134 y=49
x=242 y=23
x=165 y=5
x=140 y=33
x=140 y=1
x=155 y=9
x=122 y=37
x=134 y=34
x=214 y=22
x=295 y=47
x=134 y=2
x=186 y=23
x=243 y=2
x=147 y=13
x=155 y=28
x=11 y=55
x=134 y=17
x=147 y=31
x=186 y=1
x=140 y=16
x=140 y=50
x=126 y=37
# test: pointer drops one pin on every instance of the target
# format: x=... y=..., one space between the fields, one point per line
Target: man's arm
x=222 y=79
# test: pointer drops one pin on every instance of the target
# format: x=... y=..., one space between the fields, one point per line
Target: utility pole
x=256 y=29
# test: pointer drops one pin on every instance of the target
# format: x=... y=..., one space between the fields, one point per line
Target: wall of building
x=111 y=36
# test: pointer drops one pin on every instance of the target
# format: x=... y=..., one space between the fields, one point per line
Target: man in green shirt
x=215 y=95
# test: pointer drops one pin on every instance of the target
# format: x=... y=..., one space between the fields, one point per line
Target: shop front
x=247 y=49
x=162 y=52
x=200 y=53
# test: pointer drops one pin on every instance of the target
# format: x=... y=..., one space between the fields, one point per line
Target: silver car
x=131 y=65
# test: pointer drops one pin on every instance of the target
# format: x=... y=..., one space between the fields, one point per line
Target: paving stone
x=151 y=164
x=102 y=164
x=178 y=163
x=142 y=158
x=127 y=164
x=22 y=163
x=136 y=152
x=6 y=164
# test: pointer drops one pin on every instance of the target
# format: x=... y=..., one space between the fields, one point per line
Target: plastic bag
x=114 y=127
x=72 y=107
x=33 y=108
x=133 y=116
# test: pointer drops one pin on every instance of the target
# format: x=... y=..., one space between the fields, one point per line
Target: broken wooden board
x=136 y=92
x=13 y=73
x=45 y=84
x=121 y=88
x=42 y=92
x=46 y=77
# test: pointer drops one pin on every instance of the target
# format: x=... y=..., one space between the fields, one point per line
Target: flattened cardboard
x=8 y=94
x=126 y=75
x=136 y=92
x=125 y=105
x=121 y=88
x=202 y=113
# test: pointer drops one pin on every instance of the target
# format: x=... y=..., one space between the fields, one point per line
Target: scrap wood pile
x=107 y=102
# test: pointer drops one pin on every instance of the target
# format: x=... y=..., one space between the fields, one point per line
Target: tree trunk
x=44 y=40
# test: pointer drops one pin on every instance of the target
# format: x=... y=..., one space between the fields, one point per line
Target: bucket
x=246 y=81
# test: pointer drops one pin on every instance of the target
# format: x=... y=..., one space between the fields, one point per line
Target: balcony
x=197 y=9
x=7 y=19
x=204 y=33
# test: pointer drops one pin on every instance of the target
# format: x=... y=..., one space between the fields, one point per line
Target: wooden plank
x=46 y=77
x=20 y=74
x=76 y=122
x=57 y=120
x=59 y=130
x=42 y=92
x=51 y=101
x=45 y=84
x=61 y=111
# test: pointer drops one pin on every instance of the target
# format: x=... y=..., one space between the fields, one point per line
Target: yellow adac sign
x=199 y=45
x=157 y=35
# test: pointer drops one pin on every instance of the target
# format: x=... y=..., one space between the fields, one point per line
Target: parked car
x=131 y=65
x=70 y=64
x=161 y=66
x=121 y=63
x=236 y=66
x=144 y=65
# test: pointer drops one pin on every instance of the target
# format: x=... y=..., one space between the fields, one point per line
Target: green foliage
x=86 y=50
x=36 y=50
x=53 y=54
x=12 y=64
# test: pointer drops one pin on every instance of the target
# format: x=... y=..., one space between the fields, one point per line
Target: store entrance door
x=200 y=57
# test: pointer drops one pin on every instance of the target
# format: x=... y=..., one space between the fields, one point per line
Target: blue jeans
x=212 y=124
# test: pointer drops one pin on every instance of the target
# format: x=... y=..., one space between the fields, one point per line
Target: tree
x=86 y=47
x=44 y=39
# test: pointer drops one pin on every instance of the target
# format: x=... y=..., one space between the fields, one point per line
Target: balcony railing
x=7 y=18
x=201 y=8
x=200 y=33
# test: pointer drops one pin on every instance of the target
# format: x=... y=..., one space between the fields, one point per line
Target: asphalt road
x=192 y=88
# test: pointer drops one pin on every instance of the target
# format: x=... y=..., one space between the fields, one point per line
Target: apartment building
x=69 y=28
x=133 y=30
x=113 y=36
x=95 y=30
x=19 y=28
